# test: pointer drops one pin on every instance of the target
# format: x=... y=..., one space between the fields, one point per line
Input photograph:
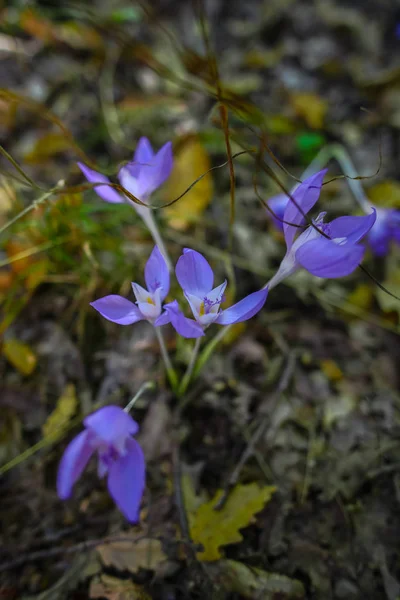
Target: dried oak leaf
x=131 y=554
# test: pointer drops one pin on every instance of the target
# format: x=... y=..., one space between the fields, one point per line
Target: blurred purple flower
x=196 y=278
x=141 y=177
x=278 y=205
x=322 y=257
x=148 y=302
x=108 y=432
x=385 y=230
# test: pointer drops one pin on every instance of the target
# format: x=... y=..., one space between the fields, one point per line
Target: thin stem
x=148 y=385
x=147 y=215
x=189 y=371
x=343 y=158
x=34 y=204
x=171 y=373
x=340 y=154
x=209 y=349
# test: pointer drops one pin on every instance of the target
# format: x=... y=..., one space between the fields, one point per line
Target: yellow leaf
x=385 y=193
x=62 y=414
x=310 y=107
x=331 y=370
x=214 y=528
x=362 y=296
x=46 y=147
x=20 y=355
x=191 y=161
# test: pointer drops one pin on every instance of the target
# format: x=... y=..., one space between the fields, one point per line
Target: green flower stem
x=171 y=373
x=148 y=218
x=189 y=371
x=148 y=385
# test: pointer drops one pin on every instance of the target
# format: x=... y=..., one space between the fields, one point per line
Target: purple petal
x=132 y=184
x=163 y=319
x=111 y=424
x=142 y=178
x=278 y=205
x=194 y=274
x=394 y=220
x=126 y=481
x=105 y=192
x=144 y=152
x=245 y=309
x=73 y=462
x=352 y=228
x=324 y=258
x=156 y=273
x=144 y=155
x=187 y=328
x=306 y=195
x=163 y=163
x=117 y=309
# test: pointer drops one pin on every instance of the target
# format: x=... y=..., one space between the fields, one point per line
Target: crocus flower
x=148 y=302
x=108 y=432
x=385 y=230
x=141 y=177
x=329 y=257
x=196 y=278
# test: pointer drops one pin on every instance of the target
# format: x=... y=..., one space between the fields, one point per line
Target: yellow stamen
x=150 y=301
x=202 y=311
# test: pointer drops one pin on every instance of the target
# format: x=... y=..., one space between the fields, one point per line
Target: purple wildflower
x=385 y=230
x=196 y=278
x=141 y=177
x=148 y=302
x=329 y=257
x=108 y=432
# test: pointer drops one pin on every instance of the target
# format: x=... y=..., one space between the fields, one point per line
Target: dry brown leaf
x=131 y=554
x=113 y=588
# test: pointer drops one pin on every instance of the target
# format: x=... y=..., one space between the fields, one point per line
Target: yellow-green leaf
x=46 y=147
x=191 y=161
x=62 y=414
x=215 y=528
x=310 y=107
x=20 y=355
x=386 y=194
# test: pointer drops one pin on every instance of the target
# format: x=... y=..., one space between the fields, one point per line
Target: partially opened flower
x=148 y=301
x=385 y=230
x=196 y=278
x=141 y=177
x=333 y=253
x=108 y=432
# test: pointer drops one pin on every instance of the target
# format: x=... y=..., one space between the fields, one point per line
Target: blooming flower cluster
x=196 y=278
x=325 y=249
